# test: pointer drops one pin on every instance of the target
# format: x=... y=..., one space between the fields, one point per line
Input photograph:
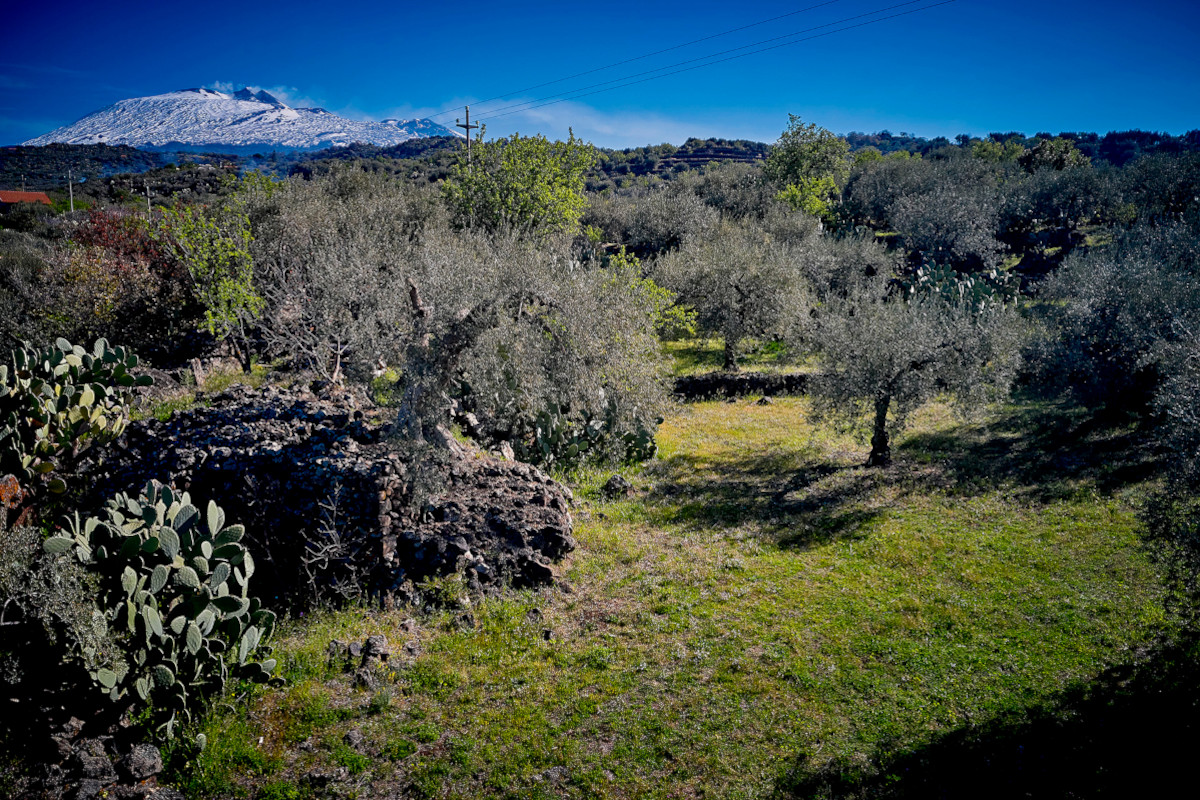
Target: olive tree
x=885 y=353
x=549 y=354
x=1111 y=312
x=542 y=350
x=329 y=260
x=1172 y=513
x=651 y=220
x=741 y=282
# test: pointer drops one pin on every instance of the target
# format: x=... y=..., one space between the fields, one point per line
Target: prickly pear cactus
x=58 y=400
x=174 y=587
x=976 y=292
x=555 y=439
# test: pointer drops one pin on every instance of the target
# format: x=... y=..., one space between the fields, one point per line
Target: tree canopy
x=523 y=183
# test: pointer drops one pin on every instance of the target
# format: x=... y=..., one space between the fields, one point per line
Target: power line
x=497 y=112
x=540 y=104
x=642 y=57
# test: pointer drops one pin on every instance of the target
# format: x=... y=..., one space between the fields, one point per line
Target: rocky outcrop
x=329 y=500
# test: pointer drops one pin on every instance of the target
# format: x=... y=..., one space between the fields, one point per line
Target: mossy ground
x=761 y=612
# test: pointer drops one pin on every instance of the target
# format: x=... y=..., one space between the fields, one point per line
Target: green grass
x=696 y=356
x=217 y=382
x=763 y=610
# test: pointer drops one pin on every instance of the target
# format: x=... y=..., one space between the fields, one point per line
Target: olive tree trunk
x=881 y=451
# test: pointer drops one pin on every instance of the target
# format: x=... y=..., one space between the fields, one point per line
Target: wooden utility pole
x=71 y=188
x=467 y=127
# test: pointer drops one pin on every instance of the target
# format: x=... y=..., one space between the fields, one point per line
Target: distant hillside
x=46 y=167
x=1116 y=147
x=429 y=159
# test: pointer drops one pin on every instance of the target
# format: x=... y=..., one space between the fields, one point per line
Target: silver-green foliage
x=885 y=353
x=174 y=585
x=742 y=282
x=58 y=400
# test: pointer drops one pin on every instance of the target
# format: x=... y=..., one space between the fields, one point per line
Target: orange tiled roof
x=23 y=197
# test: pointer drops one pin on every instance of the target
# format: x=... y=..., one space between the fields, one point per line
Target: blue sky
x=969 y=66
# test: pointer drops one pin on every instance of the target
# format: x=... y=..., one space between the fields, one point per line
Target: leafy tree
x=740 y=282
x=807 y=152
x=214 y=244
x=995 y=151
x=528 y=184
x=1055 y=154
x=885 y=353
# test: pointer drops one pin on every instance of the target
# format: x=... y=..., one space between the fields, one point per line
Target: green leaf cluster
x=174 y=588
x=58 y=400
x=215 y=246
x=524 y=183
x=671 y=320
x=807 y=152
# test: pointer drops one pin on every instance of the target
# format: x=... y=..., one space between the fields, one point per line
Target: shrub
x=120 y=280
x=174 y=587
x=55 y=402
x=46 y=612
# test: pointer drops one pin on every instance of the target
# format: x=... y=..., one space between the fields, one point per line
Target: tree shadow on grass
x=802 y=500
x=1041 y=452
x=1134 y=731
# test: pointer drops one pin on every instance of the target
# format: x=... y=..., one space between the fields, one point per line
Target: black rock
x=143 y=761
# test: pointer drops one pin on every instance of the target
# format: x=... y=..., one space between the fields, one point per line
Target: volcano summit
x=204 y=118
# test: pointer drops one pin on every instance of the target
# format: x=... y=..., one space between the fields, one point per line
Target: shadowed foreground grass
x=763 y=617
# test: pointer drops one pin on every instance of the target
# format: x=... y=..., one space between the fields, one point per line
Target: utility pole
x=467 y=127
x=22 y=182
x=147 y=185
x=71 y=188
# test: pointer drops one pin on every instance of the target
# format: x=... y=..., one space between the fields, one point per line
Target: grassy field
x=697 y=356
x=763 y=617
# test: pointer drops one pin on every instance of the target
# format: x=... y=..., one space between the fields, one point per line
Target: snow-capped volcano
x=203 y=117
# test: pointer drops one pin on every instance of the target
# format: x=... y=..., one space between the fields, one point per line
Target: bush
x=47 y=616
x=57 y=401
x=173 y=590
x=118 y=280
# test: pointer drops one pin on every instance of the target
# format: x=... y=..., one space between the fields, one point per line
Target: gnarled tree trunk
x=881 y=451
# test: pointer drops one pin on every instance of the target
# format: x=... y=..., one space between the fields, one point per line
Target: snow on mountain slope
x=244 y=118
